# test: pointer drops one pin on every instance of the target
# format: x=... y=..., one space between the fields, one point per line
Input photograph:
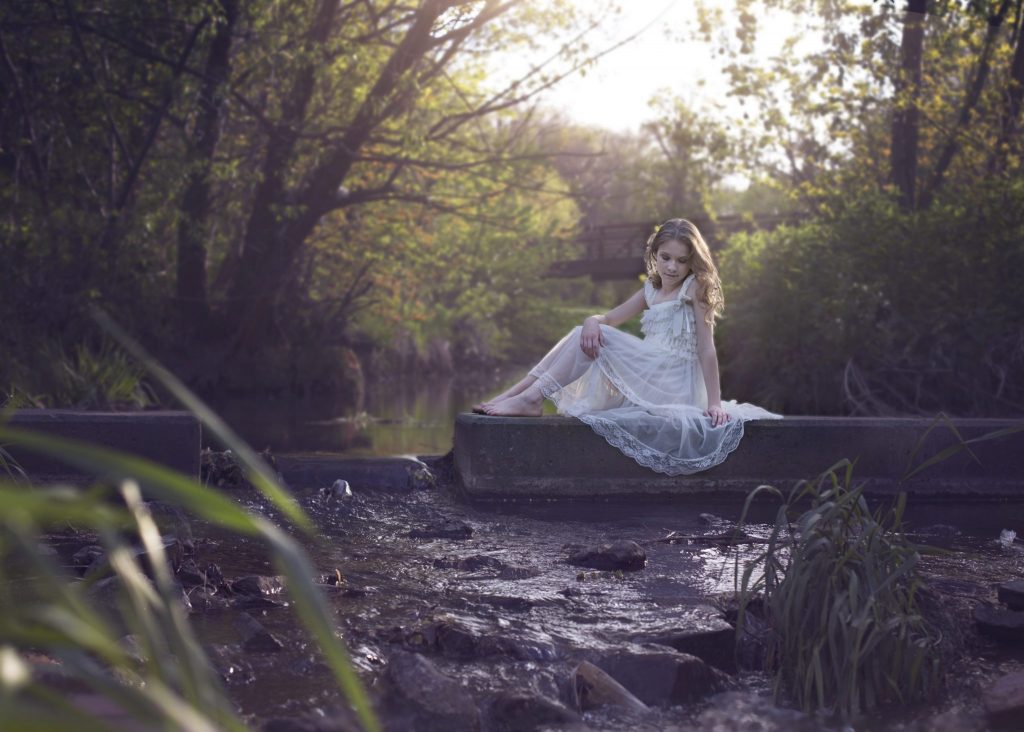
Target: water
x=524 y=631
x=401 y=417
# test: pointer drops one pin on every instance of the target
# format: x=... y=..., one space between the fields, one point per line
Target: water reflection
x=407 y=416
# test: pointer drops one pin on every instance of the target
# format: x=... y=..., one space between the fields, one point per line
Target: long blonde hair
x=709 y=285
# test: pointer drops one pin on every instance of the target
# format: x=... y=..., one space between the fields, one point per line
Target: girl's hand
x=591 y=339
x=718 y=415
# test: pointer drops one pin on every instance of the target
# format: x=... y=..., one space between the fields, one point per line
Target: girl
x=657 y=399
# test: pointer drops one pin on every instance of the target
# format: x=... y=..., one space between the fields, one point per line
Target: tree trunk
x=193 y=226
x=1012 y=102
x=995 y=23
x=273 y=242
x=906 y=115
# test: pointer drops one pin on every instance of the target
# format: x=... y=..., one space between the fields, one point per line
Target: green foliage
x=174 y=685
x=87 y=378
x=870 y=310
x=842 y=599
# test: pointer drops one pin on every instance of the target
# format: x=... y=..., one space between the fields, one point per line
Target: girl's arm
x=708 y=357
x=591 y=338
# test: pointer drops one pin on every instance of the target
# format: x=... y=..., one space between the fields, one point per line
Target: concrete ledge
x=560 y=457
x=169 y=438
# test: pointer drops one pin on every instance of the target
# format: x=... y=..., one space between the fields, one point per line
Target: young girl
x=657 y=399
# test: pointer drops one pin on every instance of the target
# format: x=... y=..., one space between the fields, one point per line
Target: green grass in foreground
x=173 y=686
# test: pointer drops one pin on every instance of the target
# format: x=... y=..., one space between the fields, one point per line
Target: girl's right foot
x=527 y=404
x=519 y=388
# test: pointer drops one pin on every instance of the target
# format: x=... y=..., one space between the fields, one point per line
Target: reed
x=45 y=614
x=842 y=598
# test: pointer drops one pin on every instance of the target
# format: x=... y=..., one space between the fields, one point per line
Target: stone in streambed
x=702 y=633
x=255 y=637
x=1011 y=594
x=663 y=677
x=517 y=712
x=257 y=591
x=454 y=639
x=1004 y=701
x=440 y=701
x=258 y=585
x=595 y=688
x=443 y=529
x=616 y=555
x=1005 y=625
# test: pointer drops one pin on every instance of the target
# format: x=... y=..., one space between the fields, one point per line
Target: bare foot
x=529 y=404
x=521 y=386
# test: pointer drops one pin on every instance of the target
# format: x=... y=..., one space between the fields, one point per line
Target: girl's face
x=673 y=262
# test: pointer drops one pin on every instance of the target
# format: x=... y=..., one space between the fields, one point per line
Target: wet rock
x=443 y=529
x=255 y=637
x=222 y=469
x=421 y=477
x=486 y=567
x=440 y=701
x=189 y=574
x=87 y=556
x=1004 y=701
x=616 y=555
x=506 y=602
x=258 y=586
x=1005 y=625
x=334 y=720
x=663 y=677
x=233 y=670
x=519 y=712
x=1011 y=594
x=339 y=491
x=206 y=599
x=702 y=633
x=595 y=688
x=457 y=640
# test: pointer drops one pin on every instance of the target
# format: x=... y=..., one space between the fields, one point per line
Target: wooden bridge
x=615 y=251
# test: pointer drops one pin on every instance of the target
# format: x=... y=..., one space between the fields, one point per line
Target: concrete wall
x=560 y=457
x=168 y=438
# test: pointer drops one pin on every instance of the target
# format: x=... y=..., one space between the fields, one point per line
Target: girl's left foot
x=522 y=405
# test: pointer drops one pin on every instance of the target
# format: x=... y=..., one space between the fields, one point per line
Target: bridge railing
x=614 y=251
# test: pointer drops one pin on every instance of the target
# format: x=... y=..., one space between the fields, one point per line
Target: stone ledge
x=171 y=438
x=560 y=457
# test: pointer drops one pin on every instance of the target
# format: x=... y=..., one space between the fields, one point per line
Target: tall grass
x=87 y=377
x=173 y=685
x=842 y=598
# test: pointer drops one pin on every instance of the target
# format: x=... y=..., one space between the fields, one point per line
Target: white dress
x=647 y=396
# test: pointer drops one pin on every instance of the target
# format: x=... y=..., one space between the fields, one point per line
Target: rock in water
x=617 y=555
x=663 y=677
x=1006 y=625
x=595 y=688
x=256 y=638
x=1011 y=594
x=1004 y=701
x=436 y=696
x=702 y=633
x=443 y=529
x=339 y=491
x=515 y=711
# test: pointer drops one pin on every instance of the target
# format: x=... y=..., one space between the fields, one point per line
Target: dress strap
x=649 y=292
x=685 y=288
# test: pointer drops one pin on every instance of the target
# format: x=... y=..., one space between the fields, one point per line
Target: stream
x=484 y=629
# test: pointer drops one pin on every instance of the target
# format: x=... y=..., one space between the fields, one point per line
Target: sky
x=615 y=93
